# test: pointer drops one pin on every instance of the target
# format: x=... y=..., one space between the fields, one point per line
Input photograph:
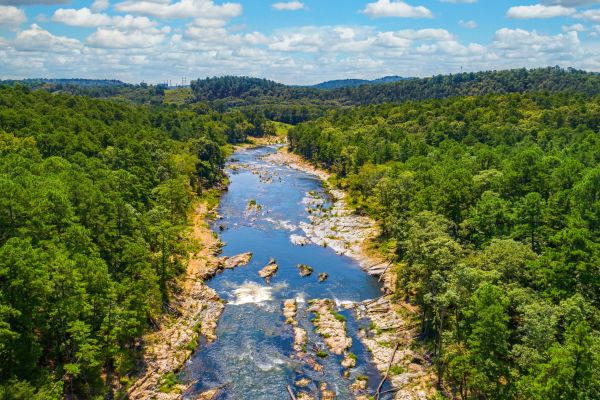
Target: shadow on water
x=252 y=357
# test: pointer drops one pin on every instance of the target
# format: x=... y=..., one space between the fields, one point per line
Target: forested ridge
x=491 y=205
x=93 y=219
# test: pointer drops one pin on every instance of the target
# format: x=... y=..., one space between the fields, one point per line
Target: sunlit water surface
x=252 y=357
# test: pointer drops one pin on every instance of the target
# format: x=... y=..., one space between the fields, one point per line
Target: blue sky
x=296 y=42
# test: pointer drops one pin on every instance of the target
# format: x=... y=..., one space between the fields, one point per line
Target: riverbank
x=339 y=227
x=390 y=336
x=196 y=308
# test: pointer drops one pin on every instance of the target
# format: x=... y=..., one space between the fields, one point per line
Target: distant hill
x=342 y=83
x=37 y=82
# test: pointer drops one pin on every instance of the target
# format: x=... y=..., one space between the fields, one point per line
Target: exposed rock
x=330 y=325
x=415 y=379
x=300 y=339
x=304 y=382
x=198 y=310
x=289 y=311
x=268 y=271
x=209 y=394
x=323 y=277
x=236 y=261
x=358 y=385
x=304 y=396
x=305 y=270
x=326 y=394
x=349 y=361
x=299 y=240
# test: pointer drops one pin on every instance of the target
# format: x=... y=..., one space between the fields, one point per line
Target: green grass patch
x=168 y=383
x=322 y=354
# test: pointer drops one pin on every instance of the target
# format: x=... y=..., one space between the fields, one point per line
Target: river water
x=253 y=355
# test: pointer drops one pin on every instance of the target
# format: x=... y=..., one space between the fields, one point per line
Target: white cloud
x=571 y=3
x=395 y=8
x=165 y=9
x=100 y=5
x=590 y=15
x=11 y=16
x=83 y=17
x=468 y=24
x=37 y=39
x=116 y=39
x=32 y=2
x=575 y=27
x=539 y=11
x=530 y=45
x=288 y=6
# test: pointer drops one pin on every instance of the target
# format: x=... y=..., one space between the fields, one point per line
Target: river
x=253 y=355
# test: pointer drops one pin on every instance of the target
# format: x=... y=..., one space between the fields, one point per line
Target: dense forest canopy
x=486 y=187
x=492 y=204
x=93 y=213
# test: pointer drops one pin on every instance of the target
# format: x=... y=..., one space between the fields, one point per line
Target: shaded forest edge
x=491 y=204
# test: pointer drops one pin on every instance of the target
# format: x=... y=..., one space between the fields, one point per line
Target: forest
x=491 y=204
x=93 y=213
x=486 y=187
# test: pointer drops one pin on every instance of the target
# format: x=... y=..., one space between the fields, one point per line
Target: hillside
x=342 y=83
x=491 y=205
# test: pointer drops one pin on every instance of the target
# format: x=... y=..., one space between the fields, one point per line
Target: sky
x=294 y=42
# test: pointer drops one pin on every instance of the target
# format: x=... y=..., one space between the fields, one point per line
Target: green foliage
x=93 y=212
x=493 y=205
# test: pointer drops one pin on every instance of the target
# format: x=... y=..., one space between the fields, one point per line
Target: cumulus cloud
x=37 y=39
x=539 y=11
x=590 y=15
x=288 y=6
x=165 y=9
x=116 y=39
x=395 y=8
x=100 y=5
x=83 y=17
x=11 y=16
x=523 y=44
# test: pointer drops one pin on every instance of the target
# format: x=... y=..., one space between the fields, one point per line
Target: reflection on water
x=253 y=356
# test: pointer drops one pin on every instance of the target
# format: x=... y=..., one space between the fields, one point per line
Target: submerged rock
x=323 y=277
x=268 y=271
x=305 y=270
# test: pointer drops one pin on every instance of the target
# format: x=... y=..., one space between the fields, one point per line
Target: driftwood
x=289 y=389
x=364 y=303
x=374 y=265
x=387 y=372
x=385 y=270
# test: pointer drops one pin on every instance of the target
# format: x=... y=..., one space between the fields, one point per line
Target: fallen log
x=387 y=372
x=289 y=389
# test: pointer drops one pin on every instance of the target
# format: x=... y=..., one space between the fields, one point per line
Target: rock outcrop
x=268 y=271
x=330 y=325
